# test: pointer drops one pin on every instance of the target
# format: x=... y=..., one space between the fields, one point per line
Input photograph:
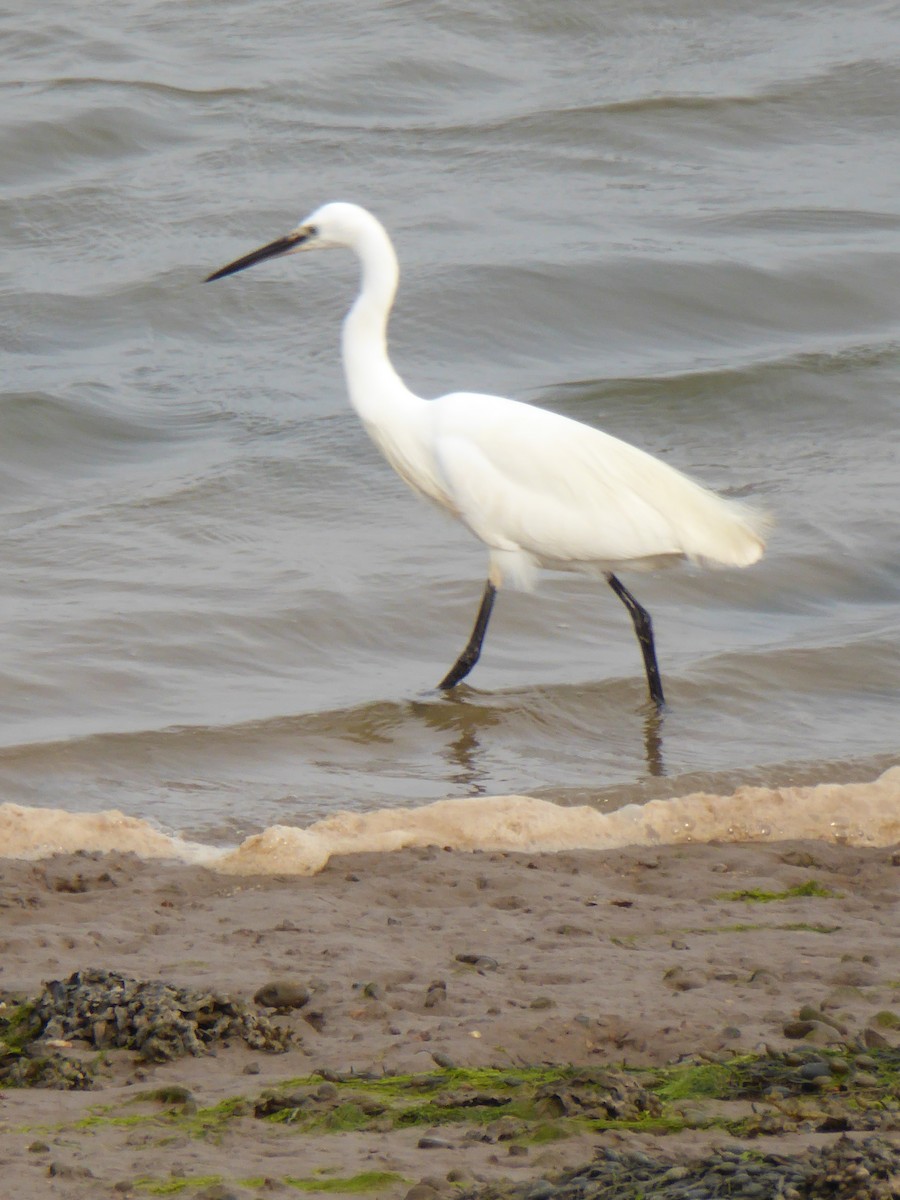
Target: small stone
x=282 y=993
x=678 y=944
x=541 y=1002
x=436 y=994
x=481 y=962
x=517 y=1151
x=510 y=903
x=430 y=1142
x=822 y=1034
x=60 y=1170
x=762 y=977
x=674 y=1174
x=875 y=1040
x=541 y=1189
x=252 y=1068
x=865 y=1079
x=373 y=991
x=814 y=1069
x=421 y=1191
x=38 y=1148
x=217 y=1191
x=681 y=980
x=799 y=858
x=854 y=975
x=797 y=1029
x=443 y=1060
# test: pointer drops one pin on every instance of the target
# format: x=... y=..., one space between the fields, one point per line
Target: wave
x=857 y=814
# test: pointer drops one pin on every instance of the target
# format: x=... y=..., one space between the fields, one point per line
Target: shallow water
x=219 y=608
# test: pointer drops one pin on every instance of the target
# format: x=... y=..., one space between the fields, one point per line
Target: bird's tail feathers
x=731 y=533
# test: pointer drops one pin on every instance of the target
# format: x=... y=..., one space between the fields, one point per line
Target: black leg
x=469 y=656
x=643 y=627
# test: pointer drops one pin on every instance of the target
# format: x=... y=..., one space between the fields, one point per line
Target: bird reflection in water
x=461 y=718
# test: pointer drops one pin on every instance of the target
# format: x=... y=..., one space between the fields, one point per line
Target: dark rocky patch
x=844 y=1170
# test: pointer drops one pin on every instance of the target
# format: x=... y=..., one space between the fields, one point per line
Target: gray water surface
x=677 y=222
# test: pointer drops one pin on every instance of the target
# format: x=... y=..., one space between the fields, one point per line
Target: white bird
x=539 y=489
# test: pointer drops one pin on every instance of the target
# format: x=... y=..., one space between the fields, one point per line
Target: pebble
x=430 y=1142
x=541 y=1189
x=822 y=1034
x=60 y=1170
x=481 y=962
x=217 y=1191
x=282 y=993
x=681 y=980
x=875 y=1040
x=797 y=1029
x=814 y=1069
x=436 y=994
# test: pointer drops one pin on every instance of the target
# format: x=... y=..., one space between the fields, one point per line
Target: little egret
x=539 y=489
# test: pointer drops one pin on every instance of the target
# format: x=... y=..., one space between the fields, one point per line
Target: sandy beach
x=436 y=963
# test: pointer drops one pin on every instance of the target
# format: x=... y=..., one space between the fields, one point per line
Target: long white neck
x=373 y=384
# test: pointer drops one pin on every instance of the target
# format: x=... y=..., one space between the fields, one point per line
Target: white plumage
x=540 y=490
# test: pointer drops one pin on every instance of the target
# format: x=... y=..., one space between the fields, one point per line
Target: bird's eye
x=312 y=231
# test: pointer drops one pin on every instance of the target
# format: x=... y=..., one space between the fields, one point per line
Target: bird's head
x=333 y=225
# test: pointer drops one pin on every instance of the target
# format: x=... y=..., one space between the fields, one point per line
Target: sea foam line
x=857 y=814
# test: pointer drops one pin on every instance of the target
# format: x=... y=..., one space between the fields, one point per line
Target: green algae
x=531 y=1104
x=693 y=1082
x=17 y=1027
x=173 y=1185
x=812 y=887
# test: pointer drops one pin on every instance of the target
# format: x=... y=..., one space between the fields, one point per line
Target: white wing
x=523 y=478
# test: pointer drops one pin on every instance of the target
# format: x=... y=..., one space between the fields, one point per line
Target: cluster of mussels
x=844 y=1170
x=108 y=1010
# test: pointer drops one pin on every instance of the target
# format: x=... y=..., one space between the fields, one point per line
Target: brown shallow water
x=219 y=610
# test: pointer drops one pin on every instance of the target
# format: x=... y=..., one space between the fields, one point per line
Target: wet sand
x=420 y=961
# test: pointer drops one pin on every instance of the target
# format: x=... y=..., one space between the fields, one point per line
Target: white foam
x=858 y=814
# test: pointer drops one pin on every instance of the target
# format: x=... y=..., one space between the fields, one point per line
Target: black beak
x=282 y=245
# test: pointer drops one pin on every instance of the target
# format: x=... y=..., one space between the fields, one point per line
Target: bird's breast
x=414 y=462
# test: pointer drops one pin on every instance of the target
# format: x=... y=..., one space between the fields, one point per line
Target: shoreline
x=853 y=814
x=440 y=964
